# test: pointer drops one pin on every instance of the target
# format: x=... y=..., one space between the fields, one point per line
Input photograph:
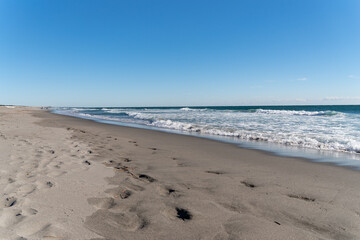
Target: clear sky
x=179 y=52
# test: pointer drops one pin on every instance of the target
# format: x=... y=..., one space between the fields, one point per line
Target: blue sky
x=180 y=52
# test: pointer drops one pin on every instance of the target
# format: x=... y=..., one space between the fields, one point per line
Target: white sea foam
x=138 y=115
x=301 y=113
x=192 y=109
x=113 y=110
x=83 y=109
x=325 y=130
x=91 y=116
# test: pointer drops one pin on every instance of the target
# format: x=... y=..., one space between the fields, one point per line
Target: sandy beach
x=69 y=178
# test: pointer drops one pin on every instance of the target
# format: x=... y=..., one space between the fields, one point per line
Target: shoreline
x=309 y=132
x=170 y=186
x=242 y=144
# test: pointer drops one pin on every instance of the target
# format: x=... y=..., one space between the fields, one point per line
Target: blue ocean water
x=323 y=133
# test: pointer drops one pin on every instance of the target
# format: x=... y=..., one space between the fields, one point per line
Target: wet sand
x=68 y=178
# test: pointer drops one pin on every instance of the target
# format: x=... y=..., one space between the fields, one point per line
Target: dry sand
x=69 y=178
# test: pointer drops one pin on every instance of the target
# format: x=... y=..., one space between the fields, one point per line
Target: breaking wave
x=324 y=129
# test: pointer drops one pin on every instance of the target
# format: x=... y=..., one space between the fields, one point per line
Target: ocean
x=322 y=133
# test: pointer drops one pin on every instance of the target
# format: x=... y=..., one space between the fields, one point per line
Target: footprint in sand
x=41 y=230
x=29 y=211
x=7 y=202
x=132 y=186
x=112 y=163
x=119 y=192
x=56 y=164
x=25 y=175
x=146 y=178
x=102 y=203
x=109 y=224
x=167 y=191
x=9 y=217
x=26 y=189
x=44 y=184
